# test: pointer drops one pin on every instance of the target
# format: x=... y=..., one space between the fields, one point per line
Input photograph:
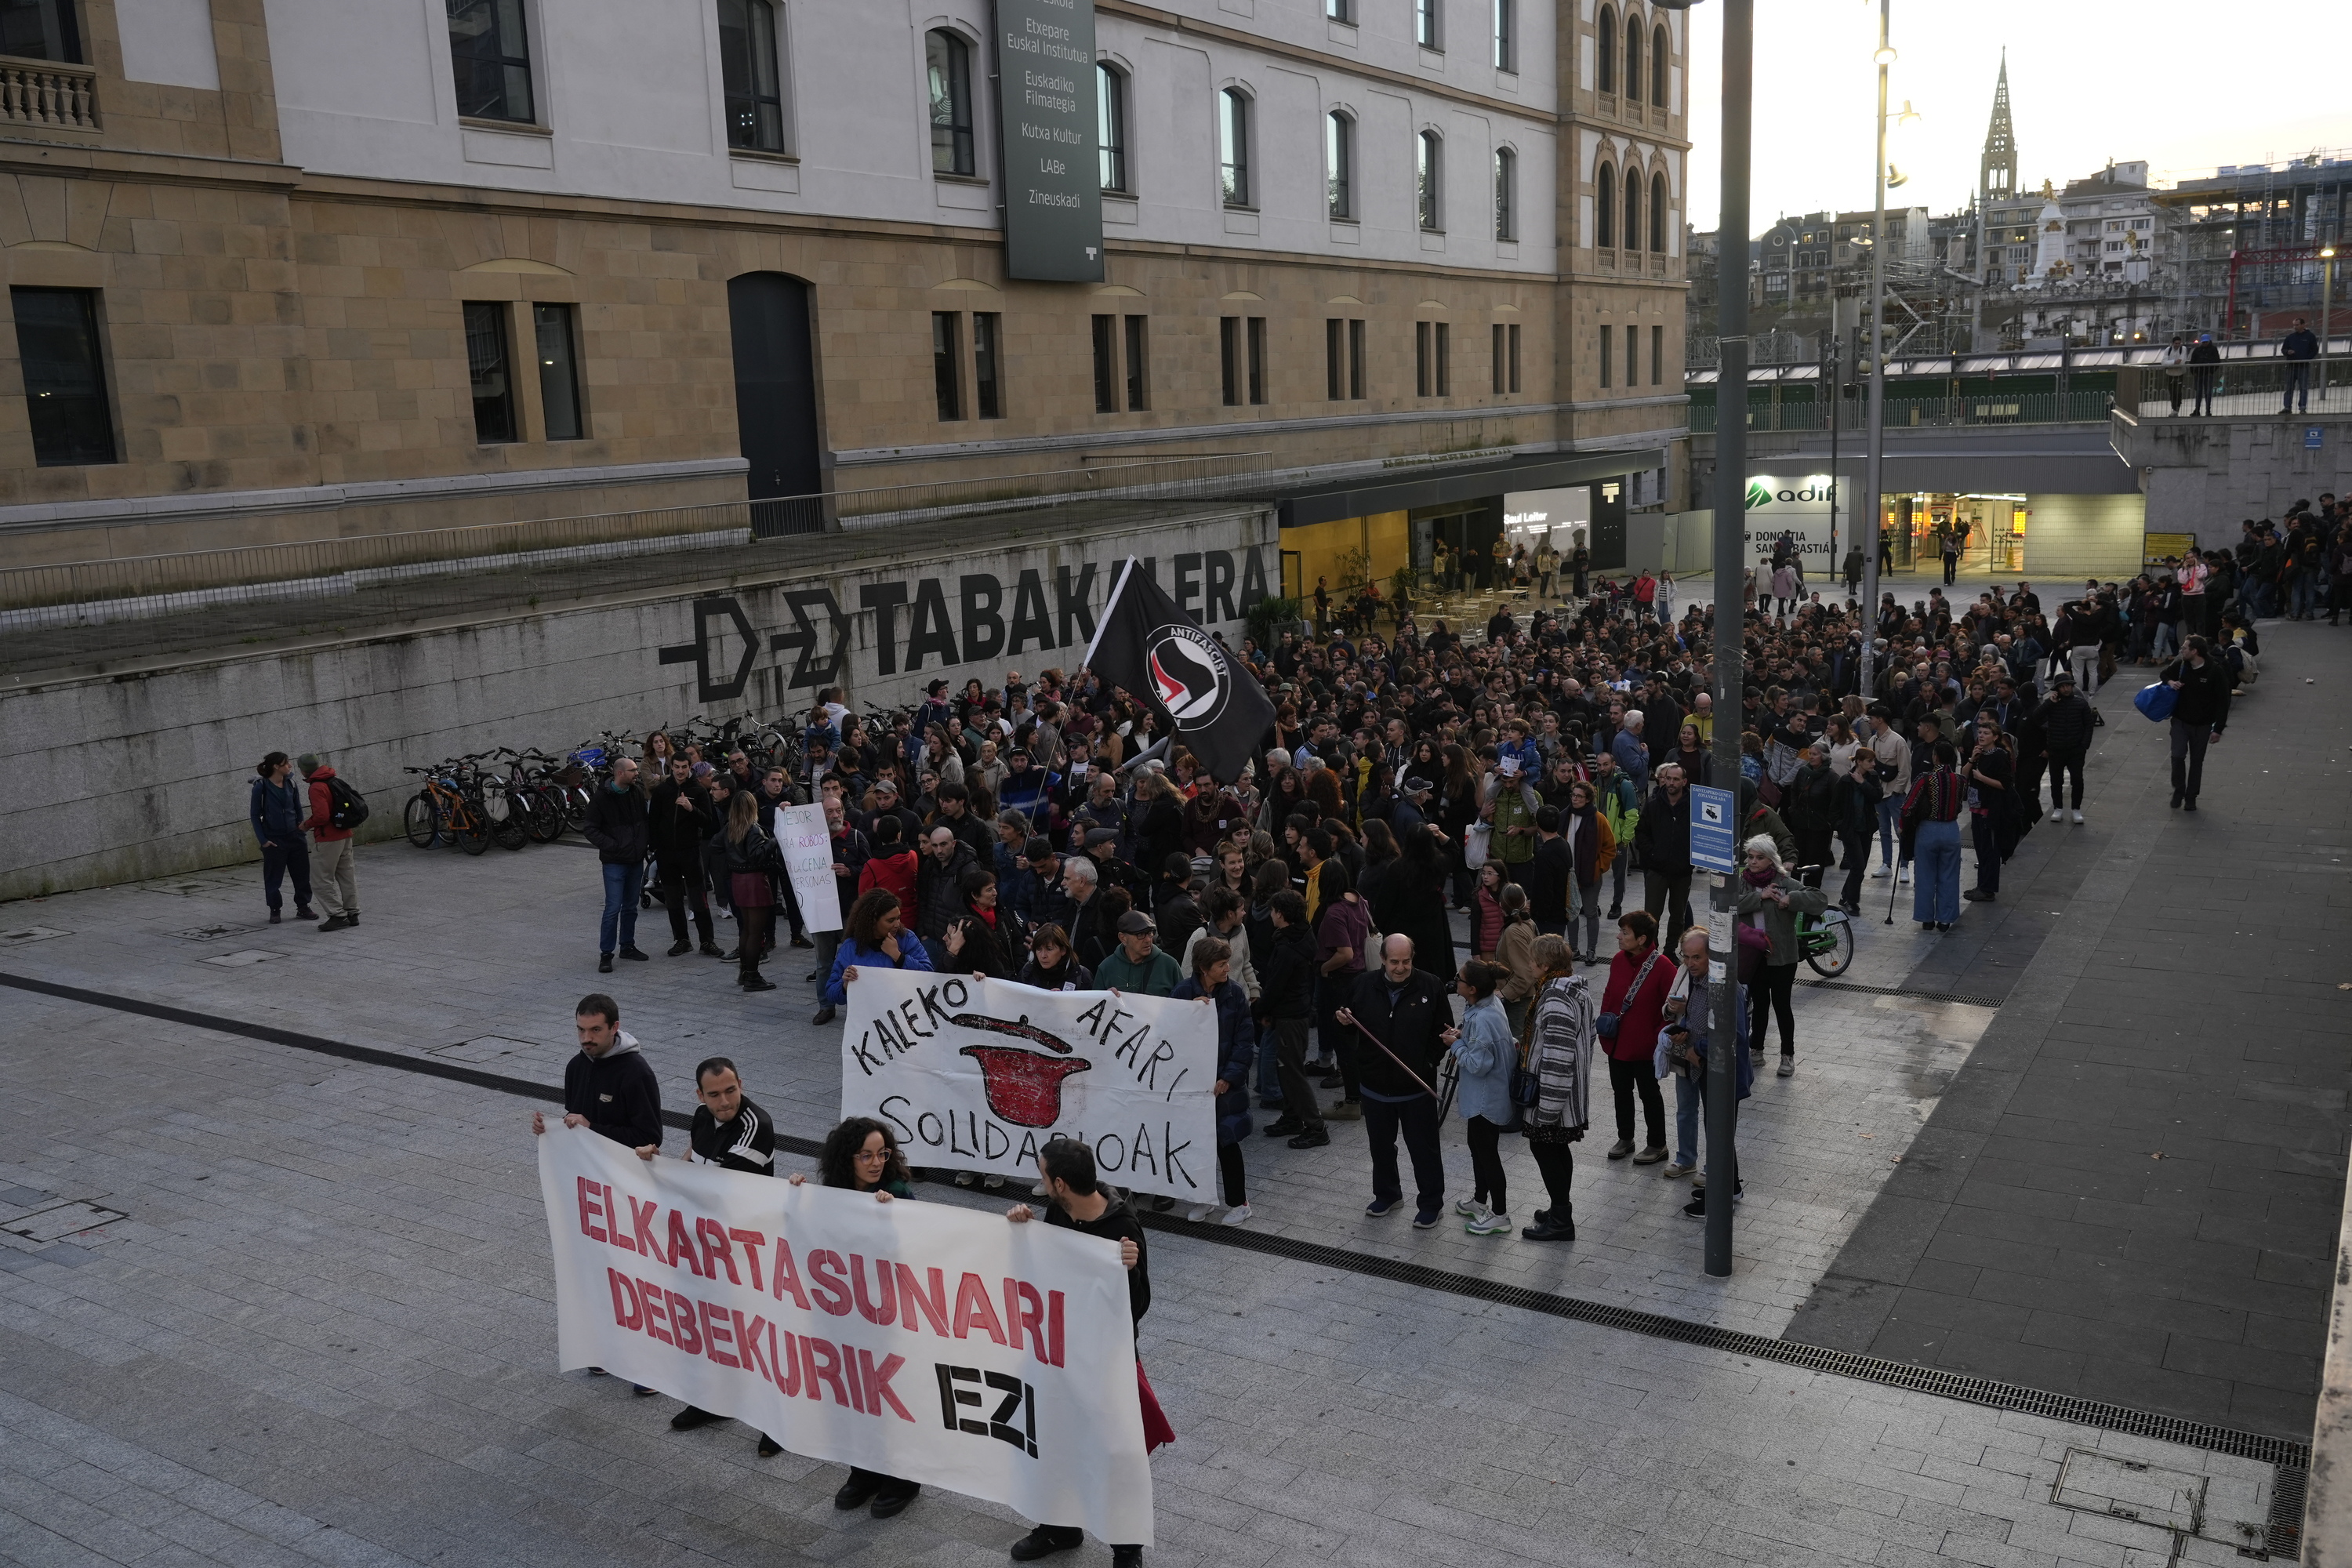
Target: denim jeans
x=280 y=856
x=2306 y=593
x=1890 y=812
x=1686 y=1103
x=1936 y=890
x=2168 y=640
x=623 y=885
x=2298 y=381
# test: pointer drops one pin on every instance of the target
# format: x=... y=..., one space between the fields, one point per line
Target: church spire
x=1997 y=174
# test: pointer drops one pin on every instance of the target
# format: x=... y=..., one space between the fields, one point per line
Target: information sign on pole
x=1714 y=829
x=1045 y=105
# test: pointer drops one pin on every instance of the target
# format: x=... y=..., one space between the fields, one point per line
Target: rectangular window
x=1234 y=138
x=1445 y=360
x=1339 y=160
x=946 y=65
x=947 y=367
x=1657 y=356
x=1335 y=360
x=1421 y=358
x=1502 y=381
x=1111 y=125
x=1229 y=358
x=1608 y=353
x=1339 y=10
x=65 y=376
x=40 y=30
x=1137 y=382
x=747 y=65
x=1356 y=360
x=1106 y=365
x=491 y=53
x=559 y=371
x=1257 y=359
x=1424 y=25
x=1515 y=359
x=1506 y=194
x=488 y=365
x=1632 y=357
x=1507 y=35
x=987 y=375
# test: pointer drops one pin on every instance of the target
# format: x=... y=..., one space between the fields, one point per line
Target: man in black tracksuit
x=2200 y=715
x=734 y=1134
x=1285 y=1002
x=2066 y=739
x=1406 y=1011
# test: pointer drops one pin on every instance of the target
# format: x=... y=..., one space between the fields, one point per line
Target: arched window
x=1427 y=175
x=1233 y=145
x=1659 y=52
x=1110 y=124
x=1658 y=214
x=1605 y=48
x=748 y=65
x=1339 y=163
x=948 y=61
x=1605 y=207
x=1506 y=194
x=1632 y=59
x=1633 y=209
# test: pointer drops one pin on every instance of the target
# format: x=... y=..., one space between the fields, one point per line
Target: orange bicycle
x=446 y=811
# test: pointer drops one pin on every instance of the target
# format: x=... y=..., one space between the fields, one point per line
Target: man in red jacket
x=331 y=870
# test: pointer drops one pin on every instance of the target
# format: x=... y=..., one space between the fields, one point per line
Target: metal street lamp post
x=1869 y=517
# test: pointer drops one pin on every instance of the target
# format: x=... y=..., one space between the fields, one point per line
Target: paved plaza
x=2089 y=1144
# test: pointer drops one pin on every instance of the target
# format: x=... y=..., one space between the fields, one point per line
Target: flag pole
x=1108 y=605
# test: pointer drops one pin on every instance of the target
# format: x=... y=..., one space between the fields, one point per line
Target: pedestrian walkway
x=2131 y=1191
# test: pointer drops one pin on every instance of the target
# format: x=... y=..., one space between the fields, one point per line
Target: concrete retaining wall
x=119 y=778
x=2204 y=477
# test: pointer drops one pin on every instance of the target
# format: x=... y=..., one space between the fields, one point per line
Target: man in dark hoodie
x=733 y=1134
x=609 y=1088
x=618 y=828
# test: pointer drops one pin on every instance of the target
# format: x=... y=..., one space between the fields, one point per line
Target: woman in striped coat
x=1557 y=1045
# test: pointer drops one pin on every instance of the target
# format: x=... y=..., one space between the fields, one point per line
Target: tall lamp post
x=1730 y=620
x=1869 y=516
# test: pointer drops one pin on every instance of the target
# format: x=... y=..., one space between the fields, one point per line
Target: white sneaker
x=1200 y=1212
x=991 y=1182
x=1903 y=877
x=1237 y=1214
x=1466 y=1209
x=1489 y=1225
x=1879 y=875
x=2078 y=814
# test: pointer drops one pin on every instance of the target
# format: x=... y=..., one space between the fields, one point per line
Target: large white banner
x=1797 y=505
x=978 y=1075
x=918 y=1340
x=807 y=844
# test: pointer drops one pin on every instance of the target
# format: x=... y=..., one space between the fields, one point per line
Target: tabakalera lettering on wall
x=940 y=622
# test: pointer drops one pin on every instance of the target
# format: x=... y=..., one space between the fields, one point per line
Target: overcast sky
x=2088 y=82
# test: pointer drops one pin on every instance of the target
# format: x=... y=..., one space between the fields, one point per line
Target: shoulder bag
x=1607 y=1024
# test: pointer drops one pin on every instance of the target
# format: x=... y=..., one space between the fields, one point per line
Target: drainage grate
x=2286 y=1509
x=2284 y=1452
x=1958 y=996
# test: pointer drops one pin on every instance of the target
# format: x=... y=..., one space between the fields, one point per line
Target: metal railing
x=1923 y=413
x=2248 y=388
x=887 y=506
x=138 y=587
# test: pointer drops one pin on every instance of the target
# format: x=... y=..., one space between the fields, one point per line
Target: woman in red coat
x=1639 y=978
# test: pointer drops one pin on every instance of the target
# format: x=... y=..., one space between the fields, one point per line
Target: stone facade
x=287 y=358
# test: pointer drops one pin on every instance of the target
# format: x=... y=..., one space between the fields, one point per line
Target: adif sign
x=1798 y=506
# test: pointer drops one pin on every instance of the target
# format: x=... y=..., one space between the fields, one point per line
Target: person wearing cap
x=1139 y=965
x=2065 y=723
x=1101 y=845
x=935 y=709
x=331 y=873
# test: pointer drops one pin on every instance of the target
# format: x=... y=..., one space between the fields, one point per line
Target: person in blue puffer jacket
x=1484 y=1055
x=1212 y=980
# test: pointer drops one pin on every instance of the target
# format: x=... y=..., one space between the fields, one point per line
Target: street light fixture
x=1868 y=517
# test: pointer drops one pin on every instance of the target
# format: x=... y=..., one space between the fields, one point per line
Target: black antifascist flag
x=1147 y=644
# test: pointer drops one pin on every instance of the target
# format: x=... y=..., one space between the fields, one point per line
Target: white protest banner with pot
x=979 y=1075
x=921 y=1341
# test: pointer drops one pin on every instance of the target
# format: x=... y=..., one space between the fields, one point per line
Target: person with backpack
x=336 y=810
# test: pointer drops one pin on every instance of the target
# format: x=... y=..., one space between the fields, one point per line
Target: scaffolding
x=2252 y=236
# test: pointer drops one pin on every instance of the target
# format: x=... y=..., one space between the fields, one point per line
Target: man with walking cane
x=1402 y=1013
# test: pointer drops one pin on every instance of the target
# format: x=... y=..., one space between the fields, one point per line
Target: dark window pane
x=947 y=379
x=1111 y=125
x=65 y=376
x=1499 y=383
x=1137 y=383
x=1608 y=353
x=949 y=63
x=985 y=371
x=1229 y=358
x=1515 y=359
x=492 y=55
x=1604 y=208
x=1445 y=360
x=1605 y=49
x=747 y=62
x=40 y=30
x=1356 y=359
x=1338 y=158
x=1257 y=359
x=1421 y=358
x=1106 y=365
x=559 y=373
x=1335 y=360
x=1234 y=134
x=489 y=368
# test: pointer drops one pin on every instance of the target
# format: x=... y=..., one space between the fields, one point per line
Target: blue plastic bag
x=2155 y=700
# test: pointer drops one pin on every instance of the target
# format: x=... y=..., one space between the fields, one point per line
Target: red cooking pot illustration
x=1023 y=1088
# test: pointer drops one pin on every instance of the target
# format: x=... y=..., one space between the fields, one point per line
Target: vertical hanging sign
x=1046 y=113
